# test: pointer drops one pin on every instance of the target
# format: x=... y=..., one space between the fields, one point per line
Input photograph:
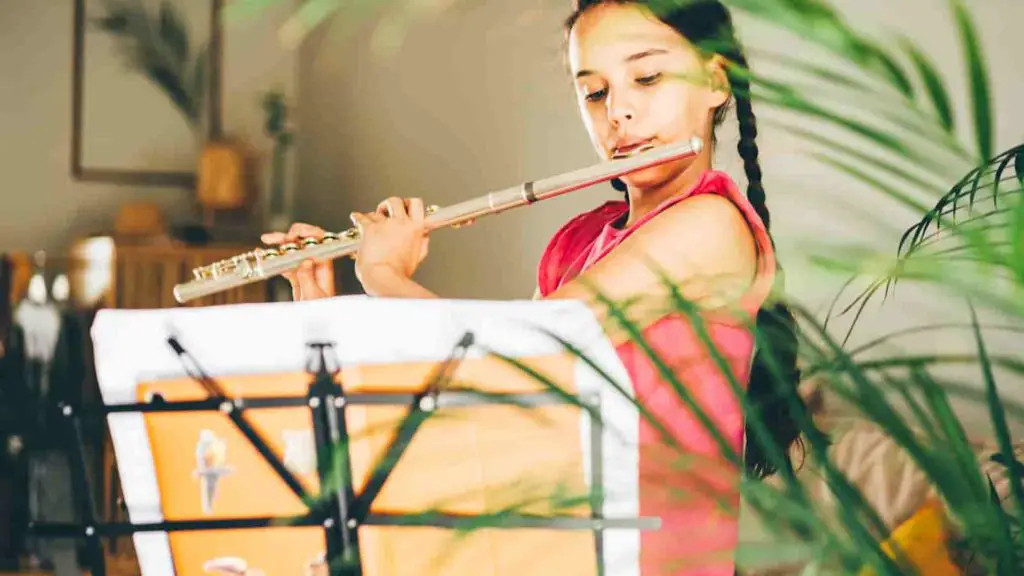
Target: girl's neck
x=642 y=202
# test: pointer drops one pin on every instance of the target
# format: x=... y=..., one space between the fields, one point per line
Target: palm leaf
x=888 y=337
x=919 y=379
x=636 y=336
x=1018 y=165
x=821 y=25
x=894 y=107
x=690 y=312
x=997 y=412
x=854 y=507
x=978 y=75
x=963 y=192
x=950 y=464
x=644 y=411
x=870 y=397
x=933 y=84
x=954 y=221
x=856 y=511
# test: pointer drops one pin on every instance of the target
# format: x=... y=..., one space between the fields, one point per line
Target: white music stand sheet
x=131 y=345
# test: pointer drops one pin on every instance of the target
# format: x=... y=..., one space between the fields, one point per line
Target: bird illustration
x=211 y=464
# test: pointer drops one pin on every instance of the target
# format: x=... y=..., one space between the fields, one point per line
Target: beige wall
x=43 y=207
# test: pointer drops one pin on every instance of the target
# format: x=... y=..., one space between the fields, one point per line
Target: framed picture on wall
x=145 y=89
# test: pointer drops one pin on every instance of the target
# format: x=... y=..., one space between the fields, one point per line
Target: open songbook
x=224 y=418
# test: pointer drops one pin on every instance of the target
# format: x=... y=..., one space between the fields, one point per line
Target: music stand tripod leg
x=82 y=494
x=421 y=406
x=235 y=411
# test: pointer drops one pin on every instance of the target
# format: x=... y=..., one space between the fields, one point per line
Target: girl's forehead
x=616 y=31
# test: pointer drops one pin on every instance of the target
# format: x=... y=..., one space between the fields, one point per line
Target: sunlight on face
x=637 y=82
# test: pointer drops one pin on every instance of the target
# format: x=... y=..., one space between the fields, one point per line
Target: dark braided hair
x=708 y=25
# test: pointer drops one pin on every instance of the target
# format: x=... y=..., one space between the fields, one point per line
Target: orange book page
x=470 y=460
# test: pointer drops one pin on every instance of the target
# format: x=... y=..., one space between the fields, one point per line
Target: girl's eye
x=648 y=80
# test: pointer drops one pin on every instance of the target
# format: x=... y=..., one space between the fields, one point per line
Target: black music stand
x=343 y=511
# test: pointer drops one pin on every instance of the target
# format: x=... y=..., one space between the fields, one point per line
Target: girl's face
x=639 y=82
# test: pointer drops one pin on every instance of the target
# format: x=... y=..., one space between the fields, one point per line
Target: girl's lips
x=628 y=149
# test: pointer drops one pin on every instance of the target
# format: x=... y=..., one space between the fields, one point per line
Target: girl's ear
x=719 y=80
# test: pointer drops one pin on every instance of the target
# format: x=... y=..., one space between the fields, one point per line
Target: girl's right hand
x=313 y=279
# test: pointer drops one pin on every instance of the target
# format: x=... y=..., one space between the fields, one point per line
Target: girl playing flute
x=643 y=79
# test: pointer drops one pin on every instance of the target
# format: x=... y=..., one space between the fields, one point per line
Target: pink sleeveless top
x=696 y=538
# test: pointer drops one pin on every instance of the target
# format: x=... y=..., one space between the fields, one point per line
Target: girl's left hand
x=394 y=238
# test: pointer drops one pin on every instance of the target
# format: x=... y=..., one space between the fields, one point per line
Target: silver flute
x=263 y=263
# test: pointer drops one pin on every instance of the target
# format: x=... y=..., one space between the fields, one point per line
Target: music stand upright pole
x=327 y=407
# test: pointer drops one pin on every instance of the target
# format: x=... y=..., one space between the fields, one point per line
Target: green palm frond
x=979 y=221
x=917 y=147
x=984 y=183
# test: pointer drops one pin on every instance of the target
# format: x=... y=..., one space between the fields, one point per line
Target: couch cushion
x=886 y=475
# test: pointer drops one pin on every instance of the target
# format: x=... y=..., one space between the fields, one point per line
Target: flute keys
x=243 y=265
x=212 y=271
x=314 y=241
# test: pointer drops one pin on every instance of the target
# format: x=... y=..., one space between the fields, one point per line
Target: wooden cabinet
x=106 y=274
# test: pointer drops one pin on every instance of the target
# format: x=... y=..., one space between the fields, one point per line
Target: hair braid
x=747 y=146
x=775 y=322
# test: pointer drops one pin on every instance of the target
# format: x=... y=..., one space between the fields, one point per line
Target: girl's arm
x=702 y=244
x=386 y=282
